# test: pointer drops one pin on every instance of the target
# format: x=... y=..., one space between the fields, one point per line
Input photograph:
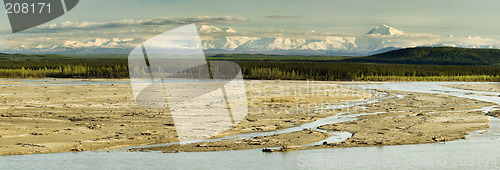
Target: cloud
x=68 y=25
x=282 y=16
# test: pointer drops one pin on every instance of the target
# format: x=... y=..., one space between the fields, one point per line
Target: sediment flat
x=65 y=118
x=406 y=118
x=490 y=87
x=56 y=118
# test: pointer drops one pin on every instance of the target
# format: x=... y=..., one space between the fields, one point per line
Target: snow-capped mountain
x=229 y=30
x=98 y=45
x=316 y=44
x=377 y=39
x=224 y=43
x=208 y=29
x=385 y=30
x=228 y=40
x=98 y=42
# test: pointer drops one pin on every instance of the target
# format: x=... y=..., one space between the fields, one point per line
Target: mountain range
x=217 y=40
x=377 y=40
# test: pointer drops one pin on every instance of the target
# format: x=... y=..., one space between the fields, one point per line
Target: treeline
x=64 y=69
x=262 y=70
x=373 y=72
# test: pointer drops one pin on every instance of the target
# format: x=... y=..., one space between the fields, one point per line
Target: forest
x=428 y=64
x=435 y=55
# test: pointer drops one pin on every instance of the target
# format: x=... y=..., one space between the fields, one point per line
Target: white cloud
x=68 y=25
x=282 y=16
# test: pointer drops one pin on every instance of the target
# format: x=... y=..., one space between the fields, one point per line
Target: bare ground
x=55 y=118
x=52 y=119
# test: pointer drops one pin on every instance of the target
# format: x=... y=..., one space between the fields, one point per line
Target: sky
x=459 y=18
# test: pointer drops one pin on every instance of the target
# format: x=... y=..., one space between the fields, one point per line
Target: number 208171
x=27 y=8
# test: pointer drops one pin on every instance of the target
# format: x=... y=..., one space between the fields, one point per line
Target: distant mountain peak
x=229 y=30
x=206 y=29
x=209 y=29
x=385 y=30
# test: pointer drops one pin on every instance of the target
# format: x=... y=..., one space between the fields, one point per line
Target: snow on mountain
x=208 y=29
x=229 y=30
x=385 y=30
x=272 y=43
x=334 y=43
x=469 y=42
x=224 y=43
x=280 y=42
x=371 y=44
x=98 y=43
x=227 y=40
x=90 y=46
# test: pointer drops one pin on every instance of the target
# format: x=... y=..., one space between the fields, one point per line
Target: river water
x=479 y=151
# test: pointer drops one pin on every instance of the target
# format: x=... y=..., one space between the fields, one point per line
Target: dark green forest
x=271 y=70
x=414 y=64
x=435 y=56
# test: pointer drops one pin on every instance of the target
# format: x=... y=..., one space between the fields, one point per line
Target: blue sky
x=460 y=17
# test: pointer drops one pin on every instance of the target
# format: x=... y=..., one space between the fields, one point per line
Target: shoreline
x=409 y=79
x=367 y=135
x=254 y=122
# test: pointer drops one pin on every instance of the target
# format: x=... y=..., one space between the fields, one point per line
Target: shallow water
x=67 y=82
x=480 y=151
x=335 y=136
